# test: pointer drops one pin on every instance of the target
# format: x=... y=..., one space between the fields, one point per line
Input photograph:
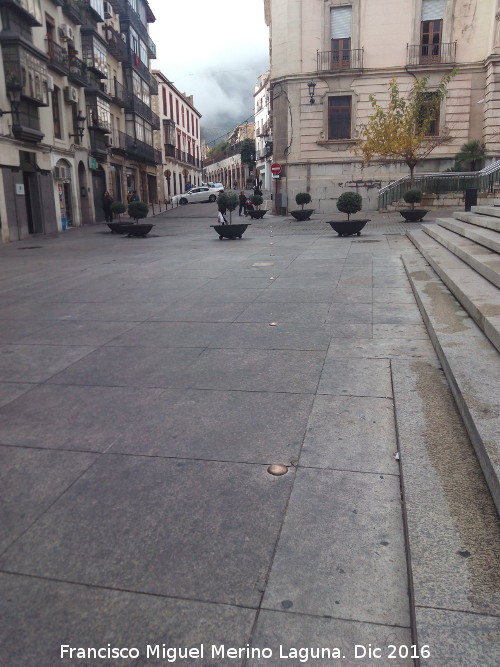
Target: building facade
x=179 y=140
x=263 y=136
x=226 y=166
x=349 y=49
x=75 y=95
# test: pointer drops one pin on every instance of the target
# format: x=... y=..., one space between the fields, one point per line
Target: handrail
x=440 y=182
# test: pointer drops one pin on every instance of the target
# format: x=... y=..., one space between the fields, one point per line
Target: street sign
x=276 y=169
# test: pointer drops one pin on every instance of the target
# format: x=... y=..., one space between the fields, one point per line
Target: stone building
x=75 y=95
x=179 y=140
x=347 y=49
x=226 y=166
x=263 y=137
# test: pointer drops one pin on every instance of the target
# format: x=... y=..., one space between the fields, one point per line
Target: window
x=164 y=95
x=339 y=118
x=171 y=106
x=177 y=110
x=431 y=31
x=430 y=115
x=56 y=112
x=340 y=33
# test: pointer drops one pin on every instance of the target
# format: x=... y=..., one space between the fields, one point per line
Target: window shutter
x=340 y=22
x=432 y=10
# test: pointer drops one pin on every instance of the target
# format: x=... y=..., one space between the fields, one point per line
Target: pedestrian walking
x=107 y=200
x=135 y=196
x=243 y=201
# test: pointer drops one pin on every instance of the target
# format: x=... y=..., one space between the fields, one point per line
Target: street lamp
x=14 y=94
x=311 y=85
x=80 y=127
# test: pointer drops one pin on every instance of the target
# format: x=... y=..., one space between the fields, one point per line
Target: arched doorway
x=64 y=194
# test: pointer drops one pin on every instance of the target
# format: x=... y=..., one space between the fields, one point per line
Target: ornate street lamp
x=14 y=94
x=80 y=127
x=311 y=85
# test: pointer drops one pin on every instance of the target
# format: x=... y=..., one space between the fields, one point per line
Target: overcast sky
x=214 y=51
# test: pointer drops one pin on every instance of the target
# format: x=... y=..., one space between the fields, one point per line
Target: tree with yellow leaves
x=404 y=130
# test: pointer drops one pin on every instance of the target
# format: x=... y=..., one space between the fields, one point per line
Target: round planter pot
x=302 y=215
x=347 y=227
x=231 y=231
x=139 y=229
x=118 y=227
x=415 y=215
x=257 y=215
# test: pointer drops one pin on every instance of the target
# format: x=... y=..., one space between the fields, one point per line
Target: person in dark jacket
x=243 y=201
x=107 y=200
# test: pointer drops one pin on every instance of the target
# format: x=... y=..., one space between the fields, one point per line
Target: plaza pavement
x=145 y=387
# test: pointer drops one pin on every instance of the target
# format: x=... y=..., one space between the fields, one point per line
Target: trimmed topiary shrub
x=349 y=202
x=257 y=200
x=228 y=201
x=138 y=210
x=117 y=208
x=302 y=198
x=413 y=197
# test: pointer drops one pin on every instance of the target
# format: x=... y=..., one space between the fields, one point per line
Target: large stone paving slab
x=172 y=334
x=309 y=633
x=131 y=367
x=31 y=480
x=356 y=377
x=9 y=391
x=37 y=363
x=71 y=417
x=188 y=529
x=38 y=617
x=257 y=427
x=275 y=336
x=78 y=333
x=381 y=348
x=256 y=370
x=351 y=433
x=341 y=551
x=312 y=313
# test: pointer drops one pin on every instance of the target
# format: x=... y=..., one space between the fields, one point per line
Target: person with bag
x=107 y=200
x=243 y=203
x=221 y=219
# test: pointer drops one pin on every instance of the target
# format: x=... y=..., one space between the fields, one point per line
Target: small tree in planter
x=412 y=197
x=117 y=208
x=349 y=202
x=228 y=201
x=413 y=214
x=138 y=210
x=257 y=201
x=304 y=214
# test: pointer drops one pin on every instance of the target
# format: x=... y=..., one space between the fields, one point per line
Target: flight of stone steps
x=456 y=280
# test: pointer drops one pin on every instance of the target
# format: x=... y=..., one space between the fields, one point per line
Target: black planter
x=347 y=227
x=257 y=215
x=415 y=215
x=118 y=227
x=231 y=231
x=302 y=215
x=140 y=229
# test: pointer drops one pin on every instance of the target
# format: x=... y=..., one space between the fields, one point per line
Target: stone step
x=485 y=262
x=485 y=221
x=450 y=518
x=477 y=295
x=486 y=237
x=469 y=360
x=487 y=210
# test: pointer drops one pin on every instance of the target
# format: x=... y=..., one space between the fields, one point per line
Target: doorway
x=99 y=188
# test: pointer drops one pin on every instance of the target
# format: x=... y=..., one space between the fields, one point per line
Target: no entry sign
x=275 y=169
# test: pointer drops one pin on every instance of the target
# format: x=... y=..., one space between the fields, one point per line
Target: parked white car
x=198 y=194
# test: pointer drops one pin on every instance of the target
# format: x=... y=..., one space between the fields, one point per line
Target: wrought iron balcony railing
x=58 y=57
x=74 y=10
x=116 y=44
x=29 y=10
x=331 y=61
x=136 y=105
x=431 y=54
x=77 y=71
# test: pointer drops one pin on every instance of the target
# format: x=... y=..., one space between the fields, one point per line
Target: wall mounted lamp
x=311 y=85
x=14 y=94
x=80 y=127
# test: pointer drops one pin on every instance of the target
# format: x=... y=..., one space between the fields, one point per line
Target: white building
x=263 y=135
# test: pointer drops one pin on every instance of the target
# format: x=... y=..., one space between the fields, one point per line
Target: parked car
x=198 y=194
x=219 y=186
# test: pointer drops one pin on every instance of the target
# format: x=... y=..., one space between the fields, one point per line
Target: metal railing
x=74 y=10
x=135 y=148
x=77 y=70
x=431 y=54
x=330 y=61
x=58 y=57
x=439 y=183
x=116 y=44
x=136 y=105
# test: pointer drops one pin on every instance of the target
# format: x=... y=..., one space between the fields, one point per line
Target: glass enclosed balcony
x=27 y=66
x=29 y=10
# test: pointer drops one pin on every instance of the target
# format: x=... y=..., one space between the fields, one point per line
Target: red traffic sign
x=276 y=169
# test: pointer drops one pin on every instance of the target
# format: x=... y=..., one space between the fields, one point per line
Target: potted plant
x=138 y=210
x=257 y=214
x=117 y=208
x=304 y=214
x=348 y=202
x=228 y=201
x=413 y=214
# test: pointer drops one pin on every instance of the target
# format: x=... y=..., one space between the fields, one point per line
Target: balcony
x=116 y=44
x=74 y=10
x=431 y=54
x=119 y=94
x=94 y=56
x=135 y=148
x=99 y=145
x=181 y=156
x=77 y=71
x=24 y=63
x=58 y=58
x=136 y=105
x=94 y=85
x=342 y=59
x=98 y=122
x=95 y=9
x=29 y=11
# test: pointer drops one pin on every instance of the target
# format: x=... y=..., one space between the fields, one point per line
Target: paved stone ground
x=146 y=385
